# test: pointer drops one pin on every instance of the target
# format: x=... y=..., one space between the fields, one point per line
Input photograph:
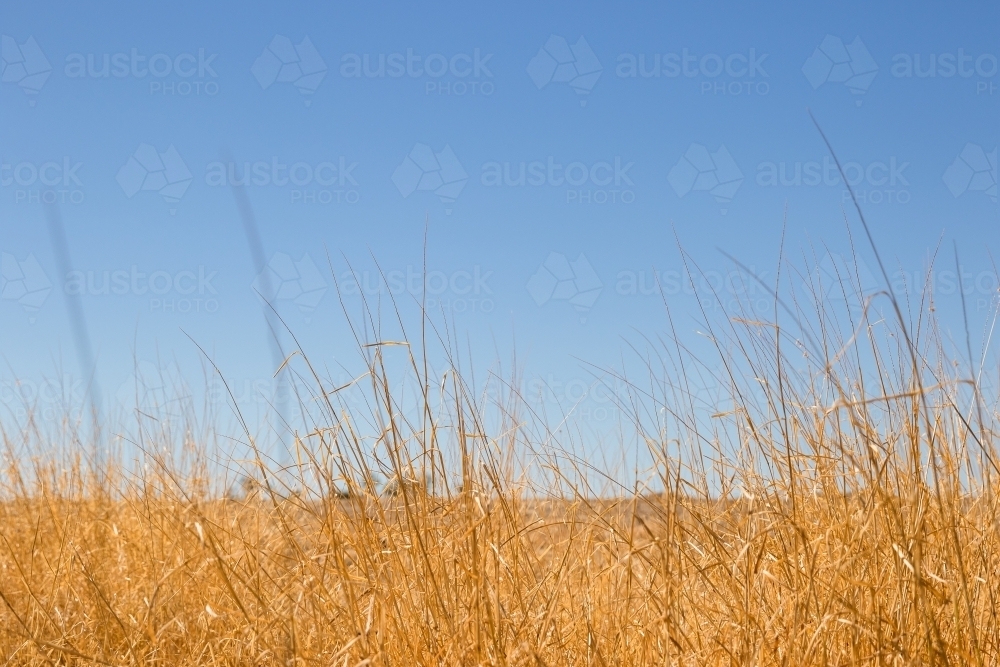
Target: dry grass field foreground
x=839 y=507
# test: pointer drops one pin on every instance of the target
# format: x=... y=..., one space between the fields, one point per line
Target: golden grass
x=839 y=508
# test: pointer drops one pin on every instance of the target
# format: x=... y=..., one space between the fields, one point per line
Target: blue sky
x=704 y=148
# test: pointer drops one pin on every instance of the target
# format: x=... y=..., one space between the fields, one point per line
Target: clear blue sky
x=559 y=151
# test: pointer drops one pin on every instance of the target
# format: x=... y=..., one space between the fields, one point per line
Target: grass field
x=837 y=507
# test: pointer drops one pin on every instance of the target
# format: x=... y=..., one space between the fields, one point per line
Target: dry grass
x=839 y=508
